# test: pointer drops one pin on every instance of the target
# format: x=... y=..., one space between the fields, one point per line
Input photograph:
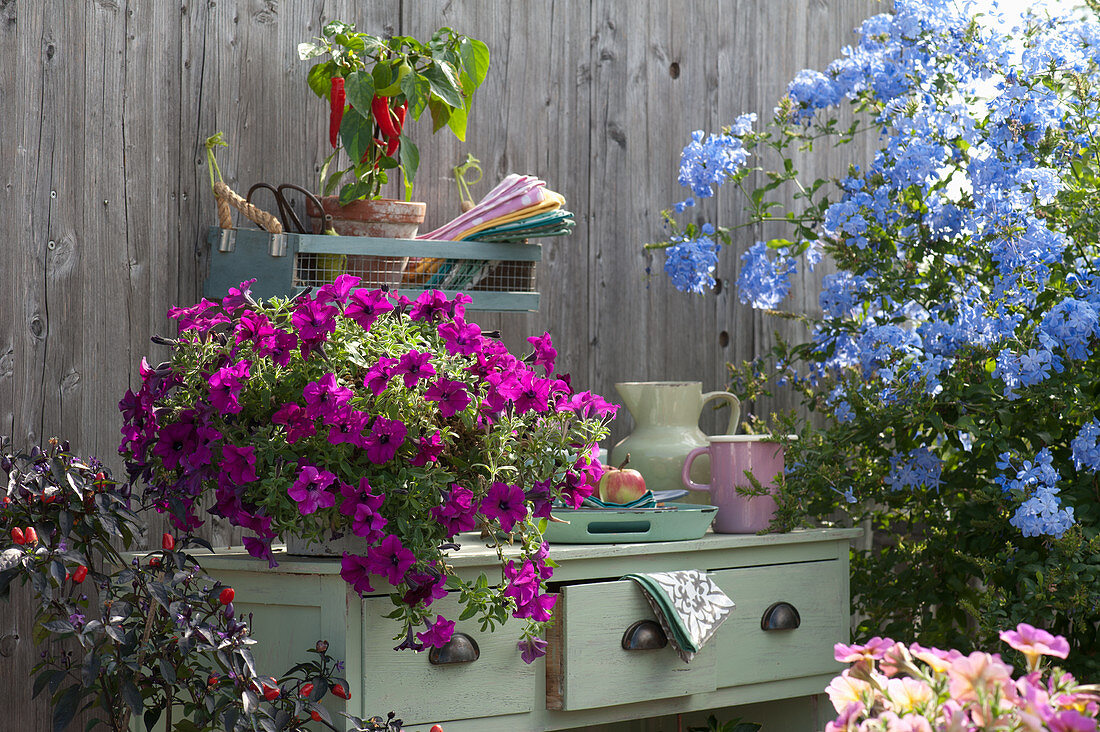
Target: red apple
x=621 y=484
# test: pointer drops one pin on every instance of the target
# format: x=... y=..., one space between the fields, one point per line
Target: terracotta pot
x=383 y=218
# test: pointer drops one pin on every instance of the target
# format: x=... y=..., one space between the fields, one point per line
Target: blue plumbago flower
x=690 y=263
x=1086 y=451
x=707 y=162
x=1036 y=484
x=763 y=281
x=919 y=468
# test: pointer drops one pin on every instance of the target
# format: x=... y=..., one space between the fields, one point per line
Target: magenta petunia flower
x=531 y=648
x=414 y=366
x=355 y=570
x=298 y=424
x=431 y=305
x=281 y=348
x=339 y=290
x=239 y=463
x=424 y=587
x=438 y=634
x=390 y=559
x=459 y=338
x=457 y=513
x=545 y=353
x=309 y=490
x=451 y=395
x=378 y=376
x=429 y=450
x=366 y=306
x=352 y=496
x=260 y=548
x=534 y=393
x=253 y=326
x=174 y=443
x=200 y=317
x=325 y=397
x=348 y=427
x=226 y=385
x=367 y=523
x=314 y=320
x=505 y=503
x=238 y=297
x=384 y=439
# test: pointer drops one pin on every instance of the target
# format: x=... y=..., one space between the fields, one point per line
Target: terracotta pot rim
x=405 y=212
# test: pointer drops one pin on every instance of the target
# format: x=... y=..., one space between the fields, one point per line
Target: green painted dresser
x=587 y=679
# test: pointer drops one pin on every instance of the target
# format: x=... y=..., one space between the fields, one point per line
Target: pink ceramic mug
x=730 y=457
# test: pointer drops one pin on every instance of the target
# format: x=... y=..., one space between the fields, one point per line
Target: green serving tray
x=668 y=522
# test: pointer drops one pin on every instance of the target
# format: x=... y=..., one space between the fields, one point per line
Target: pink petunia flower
x=438 y=634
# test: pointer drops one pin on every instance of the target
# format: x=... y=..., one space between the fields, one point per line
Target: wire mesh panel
x=314 y=270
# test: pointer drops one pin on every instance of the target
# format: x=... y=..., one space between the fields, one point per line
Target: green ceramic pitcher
x=666 y=429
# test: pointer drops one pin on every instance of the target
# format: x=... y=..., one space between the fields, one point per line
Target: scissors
x=289 y=219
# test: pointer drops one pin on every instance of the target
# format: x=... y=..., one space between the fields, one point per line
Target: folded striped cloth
x=688 y=604
x=646 y=500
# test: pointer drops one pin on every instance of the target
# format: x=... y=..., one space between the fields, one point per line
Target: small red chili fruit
x=168 y=542
x=306 y=690
x=340 y=691
x=18 y=537
x=315 y=716
x=79 y=574
x=226 y=596
x=31 y=535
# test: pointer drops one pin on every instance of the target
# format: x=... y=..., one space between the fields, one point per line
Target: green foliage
x=409 y=76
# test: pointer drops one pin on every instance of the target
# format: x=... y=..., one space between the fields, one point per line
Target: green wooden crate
x=498 y=277
x=670 y=522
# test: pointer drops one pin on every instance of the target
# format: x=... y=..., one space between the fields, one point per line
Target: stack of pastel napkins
x=518 y=208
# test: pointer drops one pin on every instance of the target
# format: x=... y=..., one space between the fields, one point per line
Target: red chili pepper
x=154 y=561
x=226 y=596
x=31 y=535
x=336 y=110
x=18 y=537
x=306 y=689
x=380 y=110
x=168 y=542
x=340 y=691
x=315 y=716
x=400 y=114
x=79 y=574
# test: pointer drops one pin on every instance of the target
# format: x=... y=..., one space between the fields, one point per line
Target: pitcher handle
x=685 y=474
x=735 y=408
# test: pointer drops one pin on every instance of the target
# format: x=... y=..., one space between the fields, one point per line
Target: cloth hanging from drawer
x=688 y=605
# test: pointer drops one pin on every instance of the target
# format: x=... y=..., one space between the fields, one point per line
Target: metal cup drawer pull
x=644 y=635
x=780 y=616
x=461 y=648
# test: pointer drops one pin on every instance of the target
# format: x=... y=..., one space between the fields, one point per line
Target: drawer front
x=498 y=682
x=747 y=654
x=587 y=667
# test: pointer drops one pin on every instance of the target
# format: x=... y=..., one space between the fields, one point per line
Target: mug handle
x=735 y=407
x=685 y=474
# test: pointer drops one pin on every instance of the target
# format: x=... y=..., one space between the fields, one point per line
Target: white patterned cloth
x=688 y=604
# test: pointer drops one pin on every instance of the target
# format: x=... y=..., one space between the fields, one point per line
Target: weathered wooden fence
x=104 y=197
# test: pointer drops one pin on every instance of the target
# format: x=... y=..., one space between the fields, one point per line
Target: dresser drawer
x=818 y=591
x=498 y=682
x=586 y=665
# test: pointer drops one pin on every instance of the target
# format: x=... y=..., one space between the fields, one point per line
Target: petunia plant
x=359 y=413
x=891 y=687
x=955 y=348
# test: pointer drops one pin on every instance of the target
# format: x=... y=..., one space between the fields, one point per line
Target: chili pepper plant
x=354 y=412
x=149 y=637
x=373 y=84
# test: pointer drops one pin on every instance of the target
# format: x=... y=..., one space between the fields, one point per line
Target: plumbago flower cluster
x=956 y=347
x=356 y=412
x=891 y=687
